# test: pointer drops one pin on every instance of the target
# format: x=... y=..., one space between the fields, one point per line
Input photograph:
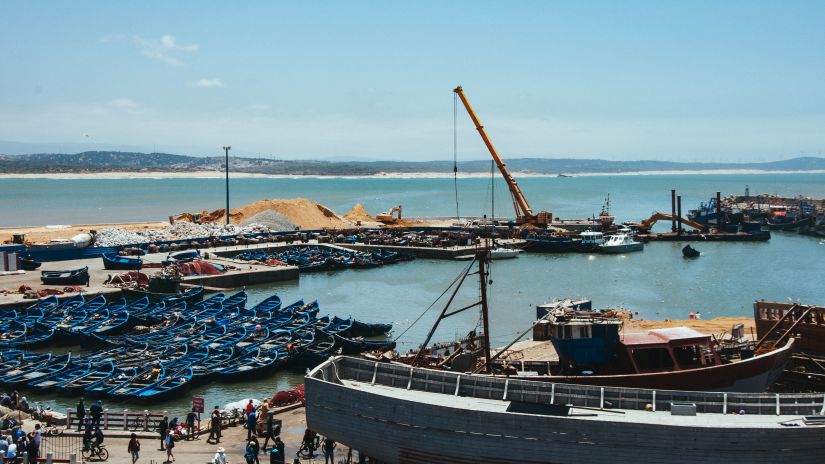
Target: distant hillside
x=111 y=161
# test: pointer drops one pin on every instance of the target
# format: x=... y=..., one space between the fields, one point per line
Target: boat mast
x=482 y=256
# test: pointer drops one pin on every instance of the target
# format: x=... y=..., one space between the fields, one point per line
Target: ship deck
x=610 y=415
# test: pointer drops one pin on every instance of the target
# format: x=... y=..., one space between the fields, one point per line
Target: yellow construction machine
x=388 y=218
x=648 y=223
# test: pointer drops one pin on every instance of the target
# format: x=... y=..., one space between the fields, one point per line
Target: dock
x=248 y=274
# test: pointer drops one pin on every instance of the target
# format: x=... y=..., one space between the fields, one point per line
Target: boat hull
x=752 y=375
x=507 y=421
x=615 y=249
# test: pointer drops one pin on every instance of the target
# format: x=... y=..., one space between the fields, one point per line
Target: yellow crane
x=524 y=215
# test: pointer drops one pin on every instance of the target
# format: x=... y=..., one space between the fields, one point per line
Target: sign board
x=197 y=404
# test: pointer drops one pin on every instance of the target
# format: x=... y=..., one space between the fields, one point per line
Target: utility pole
x=226 y=150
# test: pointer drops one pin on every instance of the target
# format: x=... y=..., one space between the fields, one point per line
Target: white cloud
x=124 y=103
x=165 y=49
x=206 y=83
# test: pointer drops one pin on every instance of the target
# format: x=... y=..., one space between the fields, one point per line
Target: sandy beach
x=387 y=175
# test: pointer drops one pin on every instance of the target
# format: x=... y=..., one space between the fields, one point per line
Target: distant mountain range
x=116 y=161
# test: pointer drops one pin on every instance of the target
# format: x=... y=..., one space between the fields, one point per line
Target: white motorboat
x=621 y=243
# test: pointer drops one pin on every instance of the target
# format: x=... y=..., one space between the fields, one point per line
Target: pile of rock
x=113 y=236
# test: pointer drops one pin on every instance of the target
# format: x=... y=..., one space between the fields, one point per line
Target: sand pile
x=298 y=211
x=274 y=220
x=716 y=325
x=358 y=213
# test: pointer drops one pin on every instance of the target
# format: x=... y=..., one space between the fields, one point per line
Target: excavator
x=648 y=223
x=387 y=217
x=524 y=214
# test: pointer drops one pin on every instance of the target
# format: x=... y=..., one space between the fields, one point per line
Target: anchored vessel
x=402 y=414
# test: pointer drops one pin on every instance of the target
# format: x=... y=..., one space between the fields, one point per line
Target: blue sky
x=687 y=81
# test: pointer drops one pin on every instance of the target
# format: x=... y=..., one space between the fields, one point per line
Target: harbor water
x=658 y=282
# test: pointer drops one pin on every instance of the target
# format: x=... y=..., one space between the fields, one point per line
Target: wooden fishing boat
x=25 y=362
x=29 y=264
x=125 y=390
x=193 y=295
x=121 y=263
x=53 y=366
x=360 y=345
x=68 y=277
x=319 y=348
x=365 y=329
x=80 y=380
x=250 y=364
x=166 y=388
x=690 y=252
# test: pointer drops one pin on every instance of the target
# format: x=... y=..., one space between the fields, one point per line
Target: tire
x=103 y=455
x=86 y=453
x=53 y=431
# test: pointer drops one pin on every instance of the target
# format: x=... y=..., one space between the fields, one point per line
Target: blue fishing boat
x=53 y=366
x=251 y=364
x=72 y=383
x=67 y=277
x=359 y=345
x=167 y=387
x=121 y=263
x=367 y=329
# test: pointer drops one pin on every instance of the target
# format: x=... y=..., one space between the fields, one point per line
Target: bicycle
x=307 y=452
x=96 y=453
x=52 y=430
x=137 y=423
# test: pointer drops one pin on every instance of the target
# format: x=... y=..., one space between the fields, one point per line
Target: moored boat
x=68 y=277
x=121 y=263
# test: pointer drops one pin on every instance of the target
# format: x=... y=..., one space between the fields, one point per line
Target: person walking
x=190 y=425
x=251 y=425
x=96 y=411
x=253 y=448
x=270 y=428
x=134 y=448
x=328 y=447
x=215 y=427
x=163 y=427
x=277 y=456
x=220 y=457
x=81 y=413
x=170 y=444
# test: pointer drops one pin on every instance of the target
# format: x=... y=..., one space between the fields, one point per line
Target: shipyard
x=412 y=234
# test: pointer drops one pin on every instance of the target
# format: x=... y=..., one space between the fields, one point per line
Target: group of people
x=18 y=442
x=95 y=413
x=253 y=419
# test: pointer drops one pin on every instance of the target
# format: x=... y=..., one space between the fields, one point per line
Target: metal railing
x=536 y=392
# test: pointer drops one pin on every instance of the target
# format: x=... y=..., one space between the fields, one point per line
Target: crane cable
x=457 y=278
x=455 y=153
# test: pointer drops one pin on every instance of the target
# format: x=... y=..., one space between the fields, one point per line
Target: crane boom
x=524 y=214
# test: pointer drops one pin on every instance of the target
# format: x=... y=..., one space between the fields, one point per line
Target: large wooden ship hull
x=398 y=414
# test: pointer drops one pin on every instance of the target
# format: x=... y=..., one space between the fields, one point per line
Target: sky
x=669 y=80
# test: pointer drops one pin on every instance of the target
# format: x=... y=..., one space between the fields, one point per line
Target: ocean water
x=658 y=282
x=90 y=201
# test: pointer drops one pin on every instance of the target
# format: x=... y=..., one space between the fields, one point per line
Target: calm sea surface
x=657 y=282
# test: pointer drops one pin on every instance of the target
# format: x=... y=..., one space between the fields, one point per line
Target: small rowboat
x=121 y=263
x=690 y=252
x=69 y=277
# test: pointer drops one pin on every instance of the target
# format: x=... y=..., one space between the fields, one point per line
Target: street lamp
x=226 y=150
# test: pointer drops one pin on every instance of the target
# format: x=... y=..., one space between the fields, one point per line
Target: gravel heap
x=113 y=236
x=272 y=219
